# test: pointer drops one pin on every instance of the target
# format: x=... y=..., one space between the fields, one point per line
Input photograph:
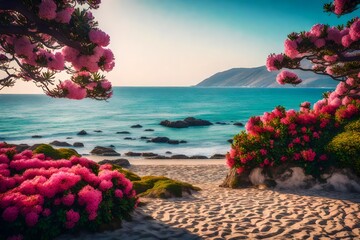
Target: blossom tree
x=41 y=39
x=332 y=51
x=301 y=138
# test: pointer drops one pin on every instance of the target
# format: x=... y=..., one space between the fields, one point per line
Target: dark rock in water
x=173 y=142
x=183 y=141
x=187 y=122
x=104 y=151
x=36 y=136
x=145 y=138
x=230 y=140
x=158 y=157
x=198 y=157
x=221 y=123
x=179 y=156
x=82 y=132
x=133 y=154
x=97 y=131
x=196 y=122
x=168 y=152
x=136 y=126
x=60 y=144
x=69 y=138
x=238 y=124
x=112 y=146
x=175 y=124
x=160 y=140
x=218 y=156
x=129 y=138
x=123 y=132
x=120 y=162
x=78 y=144
x=149 y=154
x=149 y=130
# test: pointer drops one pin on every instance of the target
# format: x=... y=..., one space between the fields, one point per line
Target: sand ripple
x=218 y=213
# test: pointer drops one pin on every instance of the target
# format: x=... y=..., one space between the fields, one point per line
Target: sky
x=182 y=42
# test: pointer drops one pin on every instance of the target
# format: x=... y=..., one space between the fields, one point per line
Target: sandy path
x=218 y=213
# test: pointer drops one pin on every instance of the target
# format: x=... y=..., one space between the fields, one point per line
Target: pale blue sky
x=182 y=42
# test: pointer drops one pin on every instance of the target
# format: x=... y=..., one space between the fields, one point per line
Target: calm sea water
x=22 y=116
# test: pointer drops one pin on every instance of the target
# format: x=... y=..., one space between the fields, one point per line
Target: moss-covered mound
x=345 y=147
x=61 y=153
x=162 y=187
x=129 y=175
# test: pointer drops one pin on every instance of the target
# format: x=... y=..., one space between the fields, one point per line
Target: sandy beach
x=220 y=213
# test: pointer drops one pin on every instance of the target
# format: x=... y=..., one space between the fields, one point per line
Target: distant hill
x=260 y=77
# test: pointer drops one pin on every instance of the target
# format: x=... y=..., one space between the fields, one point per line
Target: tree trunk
x=234 y=180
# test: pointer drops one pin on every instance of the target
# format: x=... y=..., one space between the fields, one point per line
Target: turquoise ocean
x=22 y=116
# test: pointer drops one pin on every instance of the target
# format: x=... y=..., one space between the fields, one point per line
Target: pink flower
x=240 y=170
x=355 y=30
x=56 y=62
x=31 y=219
x=263 y=152
x=74 y=91
x=47 y=9
x=10 y=214
x=283 y=158
x=346 y=40
x=329 y=58
x=64 y=15
x=230 y=161
x=68 y=200
x=288 y=77
x=323 y=157
x=46 y=212
x=70 y=54
x=334 y=35
x=317 y=30
x=339 y=6
x=105 y=84
x=105 y=185
x=91 y=198
x=232 y=153
x=99 y=37
x=320 y=43
x=329 y=70
x=23 y=47
x=72 y=216
x=273 y=62
x=291 y=48
x=308 y=155
x=4 y=158
x=119 y=193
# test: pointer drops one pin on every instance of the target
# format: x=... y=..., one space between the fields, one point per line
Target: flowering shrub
x=299 y=138
x=302 y=138
x=41 y=197
x=42 y=38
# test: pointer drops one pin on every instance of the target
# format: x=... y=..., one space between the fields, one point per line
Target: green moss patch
x=162 y=187
x=129 y=175
x=62 y=153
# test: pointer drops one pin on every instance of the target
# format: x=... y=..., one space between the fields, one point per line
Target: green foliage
x=129 y=175
x=48 y=151
x=162 y=187
x=353 y=126
x=345 y=148
x=61 y=153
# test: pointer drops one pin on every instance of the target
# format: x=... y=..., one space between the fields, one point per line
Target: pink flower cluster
x=288 y=77
x=339 y=6
x=74 y=91
x=29 y=182
x=274 y=62
x=300 y=132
